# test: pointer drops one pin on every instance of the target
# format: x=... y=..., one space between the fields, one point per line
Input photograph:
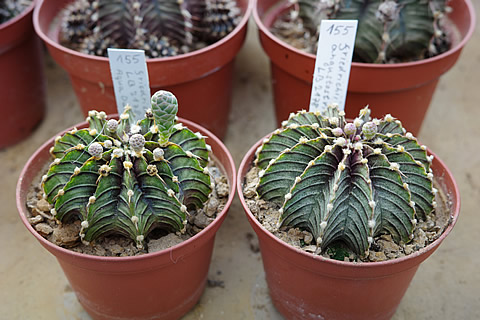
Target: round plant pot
x=159 y=285
x=305 y=286
x=201 y=80
x=22 y=84
x=403 y=89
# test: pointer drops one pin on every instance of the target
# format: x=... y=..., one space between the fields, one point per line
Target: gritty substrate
x=67 y=234
x=383 y=247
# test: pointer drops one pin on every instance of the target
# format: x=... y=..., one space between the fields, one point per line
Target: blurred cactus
x=126 y=178
x=346 y=183
x=388 y=30
x=160 y=27
x=11 y=8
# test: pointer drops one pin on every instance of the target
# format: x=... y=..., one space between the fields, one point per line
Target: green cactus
x=160 y=27
x=11 y=8
x=125 y=178
x=346 y=183
x=388 y=30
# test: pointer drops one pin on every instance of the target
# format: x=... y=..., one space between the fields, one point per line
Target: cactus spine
x=346 y=182
x=126 y=178
x=388 y=30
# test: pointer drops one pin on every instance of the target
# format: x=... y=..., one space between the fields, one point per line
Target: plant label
x=332 y=65
x=130 y=80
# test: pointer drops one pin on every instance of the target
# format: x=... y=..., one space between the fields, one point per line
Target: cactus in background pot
x=129 y=178
x=11 y=8
x=161 y=28
x=388 y=30
x=346 y=183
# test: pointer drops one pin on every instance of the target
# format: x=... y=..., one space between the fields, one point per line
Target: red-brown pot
x=159 y=285
x=403 y=89
x=304 y=286
x=22 y=83
x=201 y=80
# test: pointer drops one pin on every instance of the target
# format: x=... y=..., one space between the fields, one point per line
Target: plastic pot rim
x=459 y=46
x=183 y=56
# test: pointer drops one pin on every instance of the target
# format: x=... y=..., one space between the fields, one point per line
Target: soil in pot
x=67 y=234
x=383 y=247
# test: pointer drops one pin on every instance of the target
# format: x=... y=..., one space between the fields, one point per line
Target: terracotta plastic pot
x=159 y=285
x=22 y=84
x=304 y=286
x=403 y=89
x=201 y=80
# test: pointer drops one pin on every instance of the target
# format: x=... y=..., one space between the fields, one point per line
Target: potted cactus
x=190 y=46
x=21 y=62
x=401 y=50
x=361 y=205
x=130 y=180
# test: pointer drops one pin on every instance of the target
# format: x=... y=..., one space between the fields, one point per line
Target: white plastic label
x=332 y=65
x=130 y=80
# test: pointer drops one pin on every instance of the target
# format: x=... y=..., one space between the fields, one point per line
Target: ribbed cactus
x=388 y=30
x=346 y=182
x=126 y=178
x=11 y=8
x=160 y=27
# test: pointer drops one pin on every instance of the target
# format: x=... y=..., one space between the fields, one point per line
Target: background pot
x=303 y=286
x=403 y=89
x=22 y=84
x=159 y=285
x=201 y=80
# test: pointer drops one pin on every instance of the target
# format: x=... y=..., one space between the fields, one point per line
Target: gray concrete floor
x=447 y=285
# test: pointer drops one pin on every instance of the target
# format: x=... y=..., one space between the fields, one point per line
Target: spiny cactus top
x=126 y=178
x=11 y=8
x=388 y=30
x=346 y=182
x=160 y=27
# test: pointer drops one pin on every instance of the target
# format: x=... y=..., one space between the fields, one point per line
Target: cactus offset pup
x=346 y=183
x=120 y=177
x=389 y=31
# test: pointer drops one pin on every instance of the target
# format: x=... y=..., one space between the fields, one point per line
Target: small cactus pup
x=11 y=8
x=161 y=28
x=125 y=178
x=388 y=31
x=346 y=183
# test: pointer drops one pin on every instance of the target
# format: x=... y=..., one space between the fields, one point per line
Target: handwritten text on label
x=130 y=80
x=332 y=64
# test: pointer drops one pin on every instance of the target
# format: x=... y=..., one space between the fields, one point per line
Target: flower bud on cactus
x=346 y=189
x=369 y=129
x=135 y=185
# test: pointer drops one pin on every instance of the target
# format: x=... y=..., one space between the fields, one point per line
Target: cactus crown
x=346 y=183
x=160 y=27
x=11 y=8
x=388 y=30
x=126 y=178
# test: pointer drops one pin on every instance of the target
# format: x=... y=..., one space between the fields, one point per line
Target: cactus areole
x=346 y=183
x=129 y=178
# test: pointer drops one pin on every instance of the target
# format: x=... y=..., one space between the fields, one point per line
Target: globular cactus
x=388 y=30
x=346 y=182
x=160 y=27
x=129 y=178
x=11 y=8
